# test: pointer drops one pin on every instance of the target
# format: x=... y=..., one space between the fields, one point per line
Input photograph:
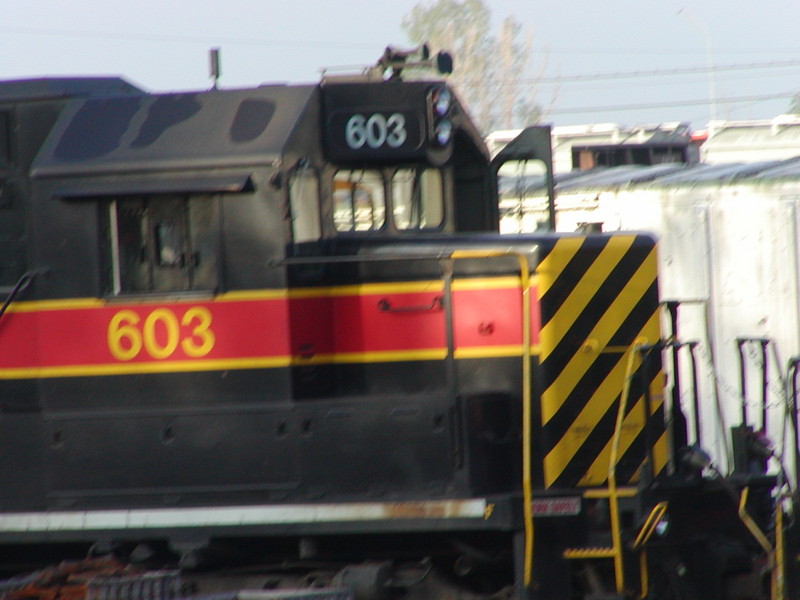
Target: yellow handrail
x=613 y=501
x=650 y=525
x=778 y=581
x=775 y=553
x=751 y=525
x=527 y=493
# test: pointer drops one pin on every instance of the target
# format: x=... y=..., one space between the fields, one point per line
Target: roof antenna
x=213 y=56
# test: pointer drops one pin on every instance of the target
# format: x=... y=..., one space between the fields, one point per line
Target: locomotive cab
x=405 y=158
x=216 y=269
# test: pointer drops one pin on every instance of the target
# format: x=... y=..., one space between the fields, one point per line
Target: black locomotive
x=270 y=339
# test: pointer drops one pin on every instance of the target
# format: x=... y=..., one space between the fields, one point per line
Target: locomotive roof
x=672 y=174
x=47 y=88
x=128 y=133
x=666 y=175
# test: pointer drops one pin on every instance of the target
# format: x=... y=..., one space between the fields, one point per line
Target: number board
x=374 y=135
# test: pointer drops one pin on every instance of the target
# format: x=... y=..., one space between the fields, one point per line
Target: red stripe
x=272 y=328
x=356 y=324
x=80 y=336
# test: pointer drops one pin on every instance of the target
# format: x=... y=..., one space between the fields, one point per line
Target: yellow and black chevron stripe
x=598 y=298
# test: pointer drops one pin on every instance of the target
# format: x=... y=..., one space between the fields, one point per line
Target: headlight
x=440 y=115
x=442 y=99
x=444 y=131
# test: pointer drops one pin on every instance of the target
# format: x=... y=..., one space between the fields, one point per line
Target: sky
x=630 y=62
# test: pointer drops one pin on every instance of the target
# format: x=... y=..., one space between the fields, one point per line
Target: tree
x=492 y=73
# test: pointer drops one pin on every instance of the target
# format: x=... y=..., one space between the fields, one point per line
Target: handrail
x=695 y=393
x=22 y=284
x=527 y=492
x=650 y=524
x=676 y=346
x=384 y=305
x=613 y=501
x=794 y=370
x=775 y=553
x=778 y=573
x=763 y=343
x=644 y=535
x=751 y=525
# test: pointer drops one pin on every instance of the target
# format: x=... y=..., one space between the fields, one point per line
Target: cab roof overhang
x=157 y=133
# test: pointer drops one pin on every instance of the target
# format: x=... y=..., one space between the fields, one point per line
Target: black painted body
x=225 y=437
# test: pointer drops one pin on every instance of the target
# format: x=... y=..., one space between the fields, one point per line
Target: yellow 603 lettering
x=128 y=334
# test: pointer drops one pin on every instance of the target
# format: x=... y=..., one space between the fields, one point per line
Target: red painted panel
x=492 y=317
x=90 y=336
x=357 y=324
x=277 y=328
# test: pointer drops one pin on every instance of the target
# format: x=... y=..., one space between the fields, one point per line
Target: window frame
x=300 y=214
x=119 y=284
x=419 y=173
x=380 y=178
x=386 y=175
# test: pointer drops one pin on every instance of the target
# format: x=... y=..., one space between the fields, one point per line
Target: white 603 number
x=375 y=131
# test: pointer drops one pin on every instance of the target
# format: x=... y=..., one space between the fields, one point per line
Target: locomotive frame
x=276 y=328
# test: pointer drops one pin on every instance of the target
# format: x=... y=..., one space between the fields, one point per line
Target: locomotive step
x=582 y=553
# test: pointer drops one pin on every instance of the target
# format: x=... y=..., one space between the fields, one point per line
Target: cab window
x=522 y=195
x=161 y=244
x=358 y=201
x=304 y=203
x=417 y=198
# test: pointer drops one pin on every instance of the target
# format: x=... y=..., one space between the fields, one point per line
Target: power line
x=616 y=77
x=665 y=72
x=556 y=79
x=670 y=104
x=335 y=44
x=155 y=37
x=672 y=51
x=187 y=39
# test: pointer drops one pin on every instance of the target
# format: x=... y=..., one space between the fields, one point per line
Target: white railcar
x=729 y=252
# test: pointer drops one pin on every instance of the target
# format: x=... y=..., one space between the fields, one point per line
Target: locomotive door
x=500 y=309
